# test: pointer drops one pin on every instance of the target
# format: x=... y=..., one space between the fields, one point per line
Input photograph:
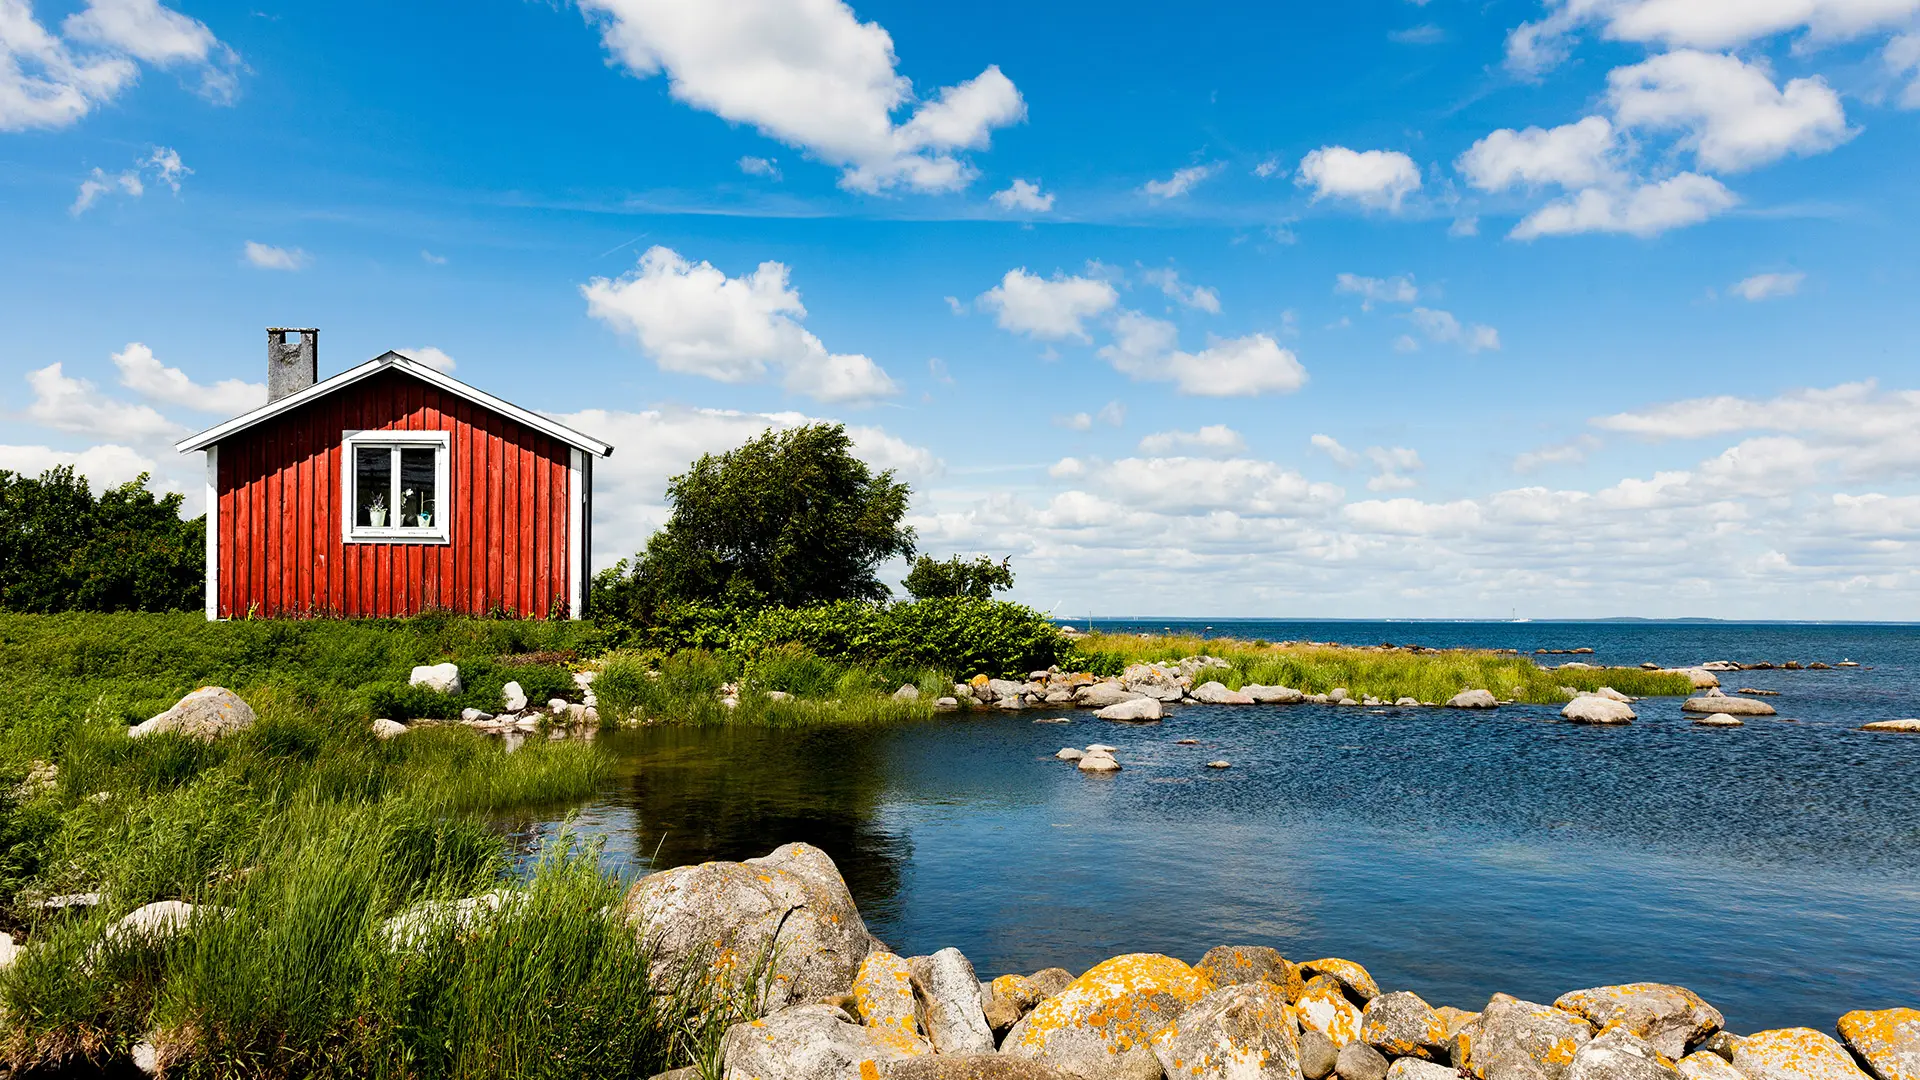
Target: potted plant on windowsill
x=377 y=513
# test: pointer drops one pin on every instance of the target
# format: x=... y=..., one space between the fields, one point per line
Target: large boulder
x=1619 y=1054
x=1402 y=1024
x=813 y=1042
x=1099 y=1027
x=1360 y=987
x=1159 y=691
x=443 y=678
x=1323 y=1007
x=1904 y=727
x=1214 y=693
x=1519 y=1039
x=1670 y=1018
x=1888 y=1040
x=1100 y=695
x=1707 y=1065
x=1242 y=1032
x=731 y=922
x=1701 y=678
x=1273 y=695
x=1794 y=1054
x=1722 y=703
x=1232 y=965
x=973 y=1067
x=1594 y=709
x=1454 y=1019
x=1472 y=699
x=1135 y=710
x=883 y=994
x=206 y=714
x=1008 y=998
x=1050 y=981
x=949 y=991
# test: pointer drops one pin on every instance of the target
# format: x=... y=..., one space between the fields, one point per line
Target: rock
x=1099 y=1026
x=1705 y=1065
x=883 y=994
x=1222 y=764
x=1402 y=1024
x=1794 y=1054
x=1358 y=1061
x=417 y=923
x=151 y=923
x=1243 y=1032
x=443 y=678
x=729 y=917
x=1136 y=710
x=945 y=704
x=513 y=698
x=1669 y=1018
x=1719 y=719
x=1101 y=748
x=813 y=1042
x=1721 y=1043
x=1593 y=709
x=387 y=729
x=1059 y=697
x=1213 y=693
x=475 y=716
x=1158 y=691
x=973 y=1067
x=205 y=714
x=1323 y=1007
x=907 y=693
x=1233 y=965
x=1317 y=1056
x=1068 y=753
x=956 y=1022
x=1453 y=1019
x=1618 y=1054
x=1406 y=702
x=1415 y=1069
x=1011 y=704
x=1273 y=695
x=145 y=1056
x=1338 y=694
x=1099 y=763
x=1519 y=1039
x=558 y=706
x=1887 y=1040
x=9 y=952
x=1353 y=979
x=1911 y=727
x=1003 y=688
x=1100 y=695
x=1472 y=699
x=1721 y=703
x=1611 y=694
x=1008 y=998
x=1050 y=981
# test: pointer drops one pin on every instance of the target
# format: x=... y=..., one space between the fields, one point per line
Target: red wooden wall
x=280 y=547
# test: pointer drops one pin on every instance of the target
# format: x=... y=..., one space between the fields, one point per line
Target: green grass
x=686 y=688
x=1382 y=673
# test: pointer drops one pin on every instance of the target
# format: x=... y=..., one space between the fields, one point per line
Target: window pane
x=418 y=507
x=372 y=476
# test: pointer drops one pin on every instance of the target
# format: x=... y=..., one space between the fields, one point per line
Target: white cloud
x=1571 y=452
x=1644 y=210
x=1734 y=116
x=814 y=77
x=1847 y=411
x=1193 y=296
x=1380 y=179
x=1393 y=463
x=693 y=319
x=1269 y=168
x=1181 y=182
x=1048 y=309
x=1767 y=286
x=1331 y=447
x=1212 y=439
x=1443 y=327
x=75 y=405
x=104 y=466
x=1464 y=226
x=1706 y=24
x=431 y=259
x=1145 y=348
x=1189 y=484
x=164 y=164
x=1023 y=195
x=1371 y=291
x=1573 y=155
x=45 y=82
x=141 y=372
x=149 y=31
x=430 y=356
x=759 y=166
x=1902 y=57
x=268 y=257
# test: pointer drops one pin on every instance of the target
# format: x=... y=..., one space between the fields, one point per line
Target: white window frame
x=441 y=532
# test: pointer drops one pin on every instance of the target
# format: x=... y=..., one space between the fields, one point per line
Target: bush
x=63 y=550
x=958 y=636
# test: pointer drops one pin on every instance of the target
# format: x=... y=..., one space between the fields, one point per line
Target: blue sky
x=1574 y=308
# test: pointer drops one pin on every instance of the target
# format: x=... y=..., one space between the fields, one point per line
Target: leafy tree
x=956 y=578
x=61 y=549
x=789 y=519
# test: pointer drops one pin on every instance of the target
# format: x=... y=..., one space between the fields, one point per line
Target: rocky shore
x=832 y=1003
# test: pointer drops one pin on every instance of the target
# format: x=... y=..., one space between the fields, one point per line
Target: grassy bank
x=1383 y=673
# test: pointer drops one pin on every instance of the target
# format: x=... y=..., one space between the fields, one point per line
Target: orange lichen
x=1118 y=999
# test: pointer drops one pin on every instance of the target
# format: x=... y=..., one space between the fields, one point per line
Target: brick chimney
x=292 y=364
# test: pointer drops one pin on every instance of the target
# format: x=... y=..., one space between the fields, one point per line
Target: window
x=395 y=486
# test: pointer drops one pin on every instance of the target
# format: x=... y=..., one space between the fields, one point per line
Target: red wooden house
x=389 y=489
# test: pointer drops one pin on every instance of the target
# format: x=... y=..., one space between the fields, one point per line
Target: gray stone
x=206 y=714
x=1611 y=694
x=1273 y=695
x=387 y=729
x=973 y=1067
x=1007 y=999
x=1416 y=1069
x=883 y=994
x=1003 y=688
x=1099 y=763
x=1050 y=981
x=1620 y=1055
x=1701 y=678
x=1233 y=965
x=513 y=698
x=419 y=922
x=1317 y=1056
x=1669 y=1018
x=1704 y=1065
x=9 y=952
x=1905 y=727
x=907 y=693
x=1722 y=703
x=1158 y=691
x=1472 y=699
x=474 y=716
x=1244 y=1032
x=1594 y=709
x=813 y=1042
x=1519 y=1039
x=956 y=1021
x=1102 y=694
x=1794 y=1054
x=1355 y=981
x=152 y=923
x=1213 y=693
x=1220 y=764
x=1068 y=753
x=1719 y=719
x=1135 y=711
x=443 y=678
x=1402 y=1024
x=1358 y=1061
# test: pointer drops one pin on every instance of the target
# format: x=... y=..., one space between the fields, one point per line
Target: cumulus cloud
x=1194 y=296
x=1378 y=179
x=104 y=466
x=1181 y=182
x=1112 y=414
x=1642 y=210
x=1393 y=463
x=1767 y=286
x=143 y=373
x=51 y=81
x=1212 y=439
x=1371 y=291
x=814 y=77
x=268 y=257
x=1443 y=328
x=1048 y=309
x=1147 y=349
x=1196 y=484
x=1706 y=24
x=1573 y=155
x=693 y=319
x=1331 y=447
x=430 y=356
x=77 y=406
x=1024 y=195
x=1902 y=58
x=1734 y=117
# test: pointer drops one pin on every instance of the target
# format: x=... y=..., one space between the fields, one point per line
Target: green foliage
x=61 y=549
x=960 y=636
x=958 y=579
x=790 y=518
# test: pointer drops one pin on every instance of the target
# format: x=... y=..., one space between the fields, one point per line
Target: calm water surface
x=1775 y=868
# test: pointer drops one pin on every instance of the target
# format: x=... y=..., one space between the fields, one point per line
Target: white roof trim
x=395 y=361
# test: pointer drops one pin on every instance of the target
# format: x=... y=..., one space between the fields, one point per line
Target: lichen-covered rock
x=1670 y=1018
x=883 y=994
x=1794 y=1054
x=1618 y=1054
x=813 y=1042
x=1358 y=1061
x=1402 y=1024
x=1241 y=1032
x=1416 y=1069
x=1888 y=1040
x=1351 y=976
x=1519 y=1039
x=1317 y=1055
x=731 y=922
x=1007 y=999
x=1050 y=981
x=1231 y=965
x=1453 y=1019
x=206 y=714
x=1101 y=1025
x=972 y=1067
x=1705 y=1065
x=1323 y=1007
x=949 y=990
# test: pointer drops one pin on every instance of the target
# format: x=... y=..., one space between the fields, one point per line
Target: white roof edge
x=398 y=362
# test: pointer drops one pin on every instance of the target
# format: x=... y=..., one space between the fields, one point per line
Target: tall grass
x=780 y=687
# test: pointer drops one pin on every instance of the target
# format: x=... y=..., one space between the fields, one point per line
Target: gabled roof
x=393 y=361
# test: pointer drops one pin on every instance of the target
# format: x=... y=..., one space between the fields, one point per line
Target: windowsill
x=398 y=536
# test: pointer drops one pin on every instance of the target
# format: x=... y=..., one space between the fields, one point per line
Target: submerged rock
x=206 y=714
x=1669 y=1018
x=1593 y=709
x=1721 y=703
x=1888 y=1040
x=1910 y=727
x=1243 y=1032
x=1099 y=1027
x=1134 y=710
x=1794 y=1054
x=813 y=1042
x=1719 y=719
